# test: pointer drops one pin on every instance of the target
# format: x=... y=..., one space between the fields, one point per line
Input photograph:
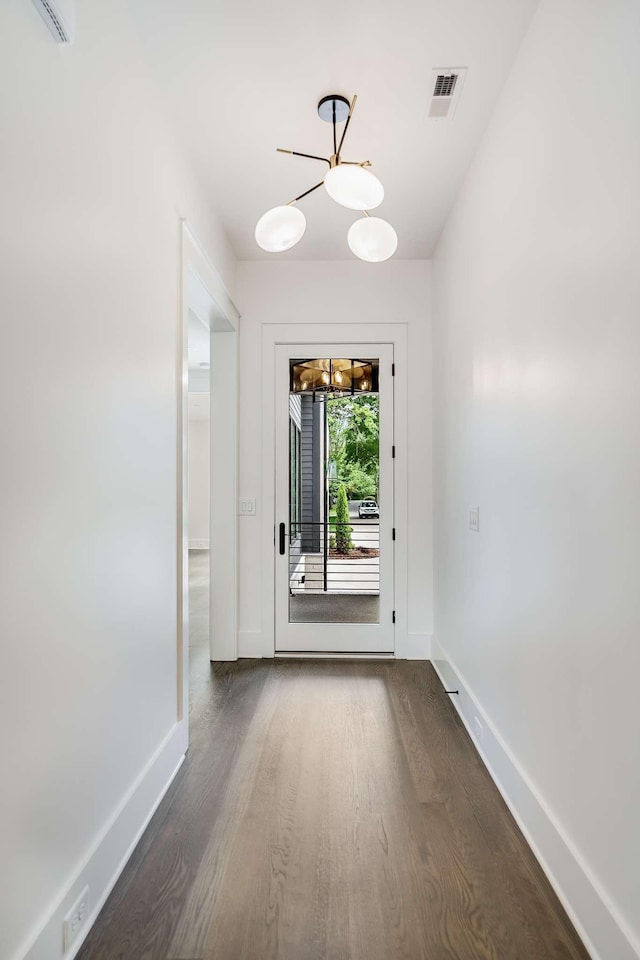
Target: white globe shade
x=354 y=187
x=280 y=229
x=372 y=239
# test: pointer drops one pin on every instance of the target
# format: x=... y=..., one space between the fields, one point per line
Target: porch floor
x=334 y=608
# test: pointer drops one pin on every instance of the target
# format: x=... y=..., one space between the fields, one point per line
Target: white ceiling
x=244 y=78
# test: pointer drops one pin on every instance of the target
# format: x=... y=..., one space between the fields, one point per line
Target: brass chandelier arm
x=346 y=126
x=309 y=156
x=334 y=160
x=306 y=193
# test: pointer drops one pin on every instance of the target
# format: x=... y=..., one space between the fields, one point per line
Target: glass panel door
x=334 y=570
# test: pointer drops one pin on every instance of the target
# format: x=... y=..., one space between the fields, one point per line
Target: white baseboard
x=604 y=932
x=414 y=646
x=110 y=851
x=198 y=544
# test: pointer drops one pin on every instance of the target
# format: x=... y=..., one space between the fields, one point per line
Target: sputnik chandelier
x=349 y=183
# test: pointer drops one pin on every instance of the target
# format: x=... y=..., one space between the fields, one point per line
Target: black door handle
x=282 y=536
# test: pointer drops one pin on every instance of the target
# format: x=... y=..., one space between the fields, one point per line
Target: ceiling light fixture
x=349 y=183
x=336 y=378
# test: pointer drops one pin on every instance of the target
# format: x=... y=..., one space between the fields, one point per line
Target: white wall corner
x=110 y=851
x=603 y=931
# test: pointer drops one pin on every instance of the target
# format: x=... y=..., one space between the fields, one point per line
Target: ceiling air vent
x=447 y=84
x=59 y=16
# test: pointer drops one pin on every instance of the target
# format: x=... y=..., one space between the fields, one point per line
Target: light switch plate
x=247 y=506
x=474 y=519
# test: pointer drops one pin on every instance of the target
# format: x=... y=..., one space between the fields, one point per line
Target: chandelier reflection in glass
x=334 y=377
x=349 y=183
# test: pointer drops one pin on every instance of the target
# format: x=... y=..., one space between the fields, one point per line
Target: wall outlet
x=75 y=919
x=477 y=729
x=247 y=506
x=474 y=519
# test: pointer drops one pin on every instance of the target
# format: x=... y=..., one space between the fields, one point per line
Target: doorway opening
x=198 y=492
x=207 y=453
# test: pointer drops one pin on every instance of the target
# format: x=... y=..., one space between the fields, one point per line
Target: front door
x=334 y=499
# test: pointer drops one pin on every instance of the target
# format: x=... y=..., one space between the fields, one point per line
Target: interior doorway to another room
x=207 y=452
x=199 y=494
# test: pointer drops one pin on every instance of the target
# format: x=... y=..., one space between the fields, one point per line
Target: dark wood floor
x=331 y=811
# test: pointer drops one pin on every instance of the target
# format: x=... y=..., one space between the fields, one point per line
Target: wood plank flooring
x=331 y=811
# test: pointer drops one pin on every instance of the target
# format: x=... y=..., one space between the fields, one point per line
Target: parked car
x=368 y=508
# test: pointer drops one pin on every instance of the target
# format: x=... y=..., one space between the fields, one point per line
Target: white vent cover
x=447 y=85
x=60 y=17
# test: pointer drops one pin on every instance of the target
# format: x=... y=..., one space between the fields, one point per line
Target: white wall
x=334 y=292
x=198 y=473
x=92 y=192
x=537 y=401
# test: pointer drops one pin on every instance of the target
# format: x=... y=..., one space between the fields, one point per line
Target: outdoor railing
x=333 y=557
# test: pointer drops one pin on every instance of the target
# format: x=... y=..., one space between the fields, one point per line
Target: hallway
x=334 y=811
x=395 y=261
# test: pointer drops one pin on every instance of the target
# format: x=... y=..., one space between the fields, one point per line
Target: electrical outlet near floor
x=76 y=919
x=477 y=729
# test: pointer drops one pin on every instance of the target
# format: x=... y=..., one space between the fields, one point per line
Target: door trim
x=274 y=334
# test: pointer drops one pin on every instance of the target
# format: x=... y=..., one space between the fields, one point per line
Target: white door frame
x=333 y=333
x=204 y=292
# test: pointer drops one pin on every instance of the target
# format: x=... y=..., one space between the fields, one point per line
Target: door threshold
x=306 y=655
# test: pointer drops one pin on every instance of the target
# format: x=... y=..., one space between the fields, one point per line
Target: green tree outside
x=344 y=542
x=354 y=446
